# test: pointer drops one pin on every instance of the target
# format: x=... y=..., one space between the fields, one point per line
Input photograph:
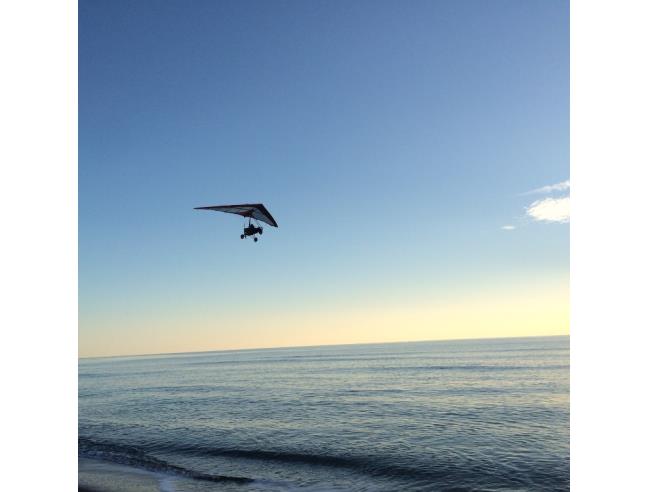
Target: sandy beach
x=100 y=476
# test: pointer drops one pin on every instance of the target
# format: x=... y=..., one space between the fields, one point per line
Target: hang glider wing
x=254 y=210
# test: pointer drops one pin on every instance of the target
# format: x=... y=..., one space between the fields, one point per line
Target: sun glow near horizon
x=533 y=311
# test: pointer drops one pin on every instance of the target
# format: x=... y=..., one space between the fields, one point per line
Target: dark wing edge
x=266 y=216
x=254 y=210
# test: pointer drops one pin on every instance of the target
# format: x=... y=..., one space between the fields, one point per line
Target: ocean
x=469 y=415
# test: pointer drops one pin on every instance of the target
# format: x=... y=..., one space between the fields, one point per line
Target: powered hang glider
x=250 y=211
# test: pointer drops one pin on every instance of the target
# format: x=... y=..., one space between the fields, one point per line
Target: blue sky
x=390 y=140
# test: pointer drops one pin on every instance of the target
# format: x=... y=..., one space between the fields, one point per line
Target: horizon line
x=161 y=354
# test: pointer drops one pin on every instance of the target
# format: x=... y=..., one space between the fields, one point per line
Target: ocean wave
x=445 y=475
x=141 y=457
x=130 y=455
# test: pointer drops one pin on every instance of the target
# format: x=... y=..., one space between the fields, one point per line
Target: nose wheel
x=256 y=239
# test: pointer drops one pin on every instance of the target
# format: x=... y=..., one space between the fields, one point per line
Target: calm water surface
x=427 y=416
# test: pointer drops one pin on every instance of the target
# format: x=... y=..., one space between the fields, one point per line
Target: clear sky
x=415 y=155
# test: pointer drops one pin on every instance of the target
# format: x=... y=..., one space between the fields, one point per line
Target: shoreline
x=104 y=476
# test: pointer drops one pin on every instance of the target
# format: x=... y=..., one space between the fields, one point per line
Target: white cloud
x=550 y=210
x=508 y=227
x=562 y=186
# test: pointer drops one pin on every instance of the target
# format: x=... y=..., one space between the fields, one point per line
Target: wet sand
x=99 y=476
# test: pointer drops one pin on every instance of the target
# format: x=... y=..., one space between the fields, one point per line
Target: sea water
x=423 y=416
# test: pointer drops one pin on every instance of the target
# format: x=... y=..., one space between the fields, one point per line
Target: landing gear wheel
x=261 y=231
x=242 y=236
x=256 y=239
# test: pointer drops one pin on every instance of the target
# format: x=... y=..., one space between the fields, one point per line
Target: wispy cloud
x=550 y=210
x=508 y=227
x=562 y=186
